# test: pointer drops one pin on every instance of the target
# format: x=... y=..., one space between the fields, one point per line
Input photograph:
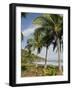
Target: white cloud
x=29 y=30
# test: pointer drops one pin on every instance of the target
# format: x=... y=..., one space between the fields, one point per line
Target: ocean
x=49 y=62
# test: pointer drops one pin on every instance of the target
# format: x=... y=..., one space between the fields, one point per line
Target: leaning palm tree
x=47 y=41
x=38 y=39
x=31 y=45
x=42 y=38
x=35 y=40
x=46 y=38
x=54 y=23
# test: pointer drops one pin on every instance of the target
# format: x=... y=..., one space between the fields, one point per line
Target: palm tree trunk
x=36 y=65
x=59 y=61
x=46 y=58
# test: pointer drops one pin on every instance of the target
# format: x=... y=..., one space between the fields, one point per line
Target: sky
x=27 y=28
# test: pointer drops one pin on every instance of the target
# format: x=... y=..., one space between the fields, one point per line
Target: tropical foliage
x=49 y=32
x=53 y=25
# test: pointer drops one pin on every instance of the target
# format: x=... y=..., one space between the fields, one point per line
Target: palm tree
x=46 y=38
x=22 y=15
x=42 y=38
x=38 y=39
x=30 y=56
x=47 y=41
x=22 y=36
x=35 y=41
x=54 y=23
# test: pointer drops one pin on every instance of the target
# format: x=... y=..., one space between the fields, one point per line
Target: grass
x=28 y=70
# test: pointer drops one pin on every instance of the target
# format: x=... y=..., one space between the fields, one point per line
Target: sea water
x=49 y=62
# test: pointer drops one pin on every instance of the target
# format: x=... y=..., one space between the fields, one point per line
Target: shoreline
x=48 y=63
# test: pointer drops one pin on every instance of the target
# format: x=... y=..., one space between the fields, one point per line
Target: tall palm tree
x=35 y=43
x=29 y=45
x=47 y=41
x=22 y=15
x=38 y=39
x=47 y=36
x=22 y=36
x=42 y=38
x=54 y=23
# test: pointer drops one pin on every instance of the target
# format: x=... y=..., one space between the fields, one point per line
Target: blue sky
x=26 y=22
x=28 y=28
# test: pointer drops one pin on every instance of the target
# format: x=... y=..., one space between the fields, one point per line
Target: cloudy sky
x=28 y=28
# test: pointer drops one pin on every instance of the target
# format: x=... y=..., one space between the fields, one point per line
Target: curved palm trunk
x=46 y=58
x=59 y=61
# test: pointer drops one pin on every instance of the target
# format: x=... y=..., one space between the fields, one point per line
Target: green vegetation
x=28 y=68
x=27 y=57
x=49 y=32
x=31 y=70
